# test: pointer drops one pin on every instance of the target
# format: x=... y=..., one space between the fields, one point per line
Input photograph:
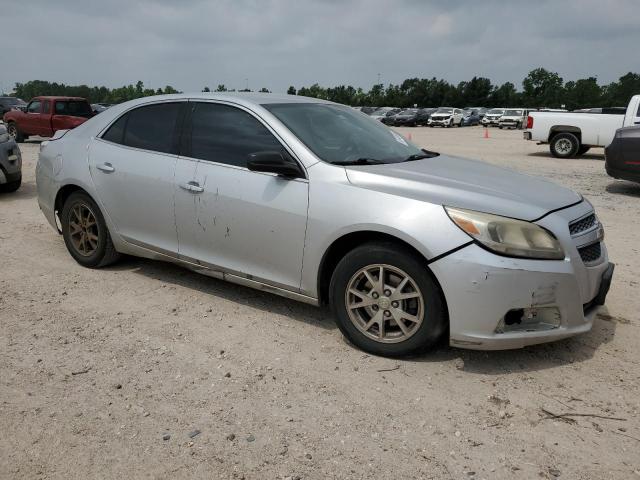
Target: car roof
x=243 y=98
x=53 y=97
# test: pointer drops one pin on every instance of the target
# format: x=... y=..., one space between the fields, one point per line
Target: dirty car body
x=305 y=213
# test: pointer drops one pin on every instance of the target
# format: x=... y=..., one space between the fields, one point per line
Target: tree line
x=540 y=88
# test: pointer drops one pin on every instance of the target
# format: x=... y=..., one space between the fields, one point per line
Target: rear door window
x=75 y=108
x=153 y=127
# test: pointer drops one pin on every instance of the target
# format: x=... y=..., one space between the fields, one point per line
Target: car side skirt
x=215 y=271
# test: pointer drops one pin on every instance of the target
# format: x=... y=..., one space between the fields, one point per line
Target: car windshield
x=75 y=108
x=408 y=111
x=513 y=113
x=495 y=111
x=339 y=135
x=444 y=110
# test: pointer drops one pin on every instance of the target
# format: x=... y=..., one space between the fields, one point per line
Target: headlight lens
x=507 y=236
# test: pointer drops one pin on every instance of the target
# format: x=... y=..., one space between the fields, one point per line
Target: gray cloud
x=277 y=43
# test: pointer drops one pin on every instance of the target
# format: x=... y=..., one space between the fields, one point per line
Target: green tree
x=542 y=88
x=291 y=90
x=264 y=90
x=221 y=88
x=206 y=89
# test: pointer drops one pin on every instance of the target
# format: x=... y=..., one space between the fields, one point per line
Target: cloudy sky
x=276 y=43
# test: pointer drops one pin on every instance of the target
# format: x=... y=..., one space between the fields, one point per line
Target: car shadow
x=27 y=190
x=537 y=357
x=177 y=275
x=586 y=156
x=533 y=358
x=623 y=187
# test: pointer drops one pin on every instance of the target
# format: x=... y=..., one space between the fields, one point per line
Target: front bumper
x=440 y=121
x=481 y=288
x=10 y=162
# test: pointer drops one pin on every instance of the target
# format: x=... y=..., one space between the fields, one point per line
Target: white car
x=492 y=117
x=446 y=117
x=382 y=112
x=574 y=133
x=513 y=118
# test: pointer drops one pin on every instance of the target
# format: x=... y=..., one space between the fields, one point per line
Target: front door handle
x=193 y=187
x=106 y=167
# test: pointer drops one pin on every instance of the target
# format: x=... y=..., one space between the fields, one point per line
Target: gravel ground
x=146 y=370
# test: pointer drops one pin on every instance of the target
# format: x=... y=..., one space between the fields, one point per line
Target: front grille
x=590 y=253
x=586 y=223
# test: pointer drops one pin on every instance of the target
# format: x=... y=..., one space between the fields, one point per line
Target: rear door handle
x=106 y=167
x=193 y=187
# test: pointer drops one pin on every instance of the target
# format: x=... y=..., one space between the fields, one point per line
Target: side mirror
x=274 y=162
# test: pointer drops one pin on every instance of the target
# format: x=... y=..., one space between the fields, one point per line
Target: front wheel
x=564 y=145
x=386 y=302
x=85 y=232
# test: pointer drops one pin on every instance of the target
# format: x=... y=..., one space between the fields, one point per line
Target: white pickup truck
x=574 y=133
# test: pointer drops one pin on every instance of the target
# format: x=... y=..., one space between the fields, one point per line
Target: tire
x=397 y=262
x=11 y=187
x=583 y=149
x=15 y=132
x=519 y=126
x=500 y=127
x=564 y=145
x=104 y=252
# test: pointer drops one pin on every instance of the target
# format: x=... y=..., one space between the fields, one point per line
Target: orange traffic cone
x=486 y=132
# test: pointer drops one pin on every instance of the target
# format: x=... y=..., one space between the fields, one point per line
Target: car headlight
x=507 y=236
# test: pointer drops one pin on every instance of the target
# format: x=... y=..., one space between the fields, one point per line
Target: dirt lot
x=108 y=374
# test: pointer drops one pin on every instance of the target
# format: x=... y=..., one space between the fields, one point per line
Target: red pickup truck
x=43 y=116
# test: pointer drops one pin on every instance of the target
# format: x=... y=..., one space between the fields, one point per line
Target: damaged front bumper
x=500 y=303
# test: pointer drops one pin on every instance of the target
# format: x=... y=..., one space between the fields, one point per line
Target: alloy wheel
x=12 y=131
x=564 y=146
x=384 y=303
x=83 y=229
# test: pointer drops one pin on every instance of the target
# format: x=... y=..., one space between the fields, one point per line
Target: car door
x=246 y=223
x=133 y=166
x=32 y=118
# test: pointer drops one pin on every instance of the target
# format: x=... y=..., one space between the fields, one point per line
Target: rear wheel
x=85 y=232
x=564 y=145
x=386 y=302
x=14 y=131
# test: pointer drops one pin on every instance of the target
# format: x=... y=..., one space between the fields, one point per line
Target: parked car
x=492 y=117
x=481 y=111
x=368 y=110
x=382 y=112
x=470 y=118
x=446 y=117
x=513 y=118
x=404 y=118
x=99 y=107
x=276 y=192
x=10 y=103
x=424 y=114
x=622 y=155
x=44 y=116
x=569 y=133
x=10 y=163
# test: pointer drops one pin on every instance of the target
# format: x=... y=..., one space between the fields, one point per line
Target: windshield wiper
x=360 y=161
x=420 y=156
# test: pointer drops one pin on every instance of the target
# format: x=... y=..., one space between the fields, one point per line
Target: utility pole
x=378 y=79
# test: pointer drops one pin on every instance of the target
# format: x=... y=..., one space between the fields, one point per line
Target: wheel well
x=340 y=247
x=63 y=194
x=556 y=129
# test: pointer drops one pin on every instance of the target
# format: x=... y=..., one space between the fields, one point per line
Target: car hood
x=464 y=183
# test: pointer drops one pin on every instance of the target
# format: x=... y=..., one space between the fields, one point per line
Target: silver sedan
x=318 y=202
